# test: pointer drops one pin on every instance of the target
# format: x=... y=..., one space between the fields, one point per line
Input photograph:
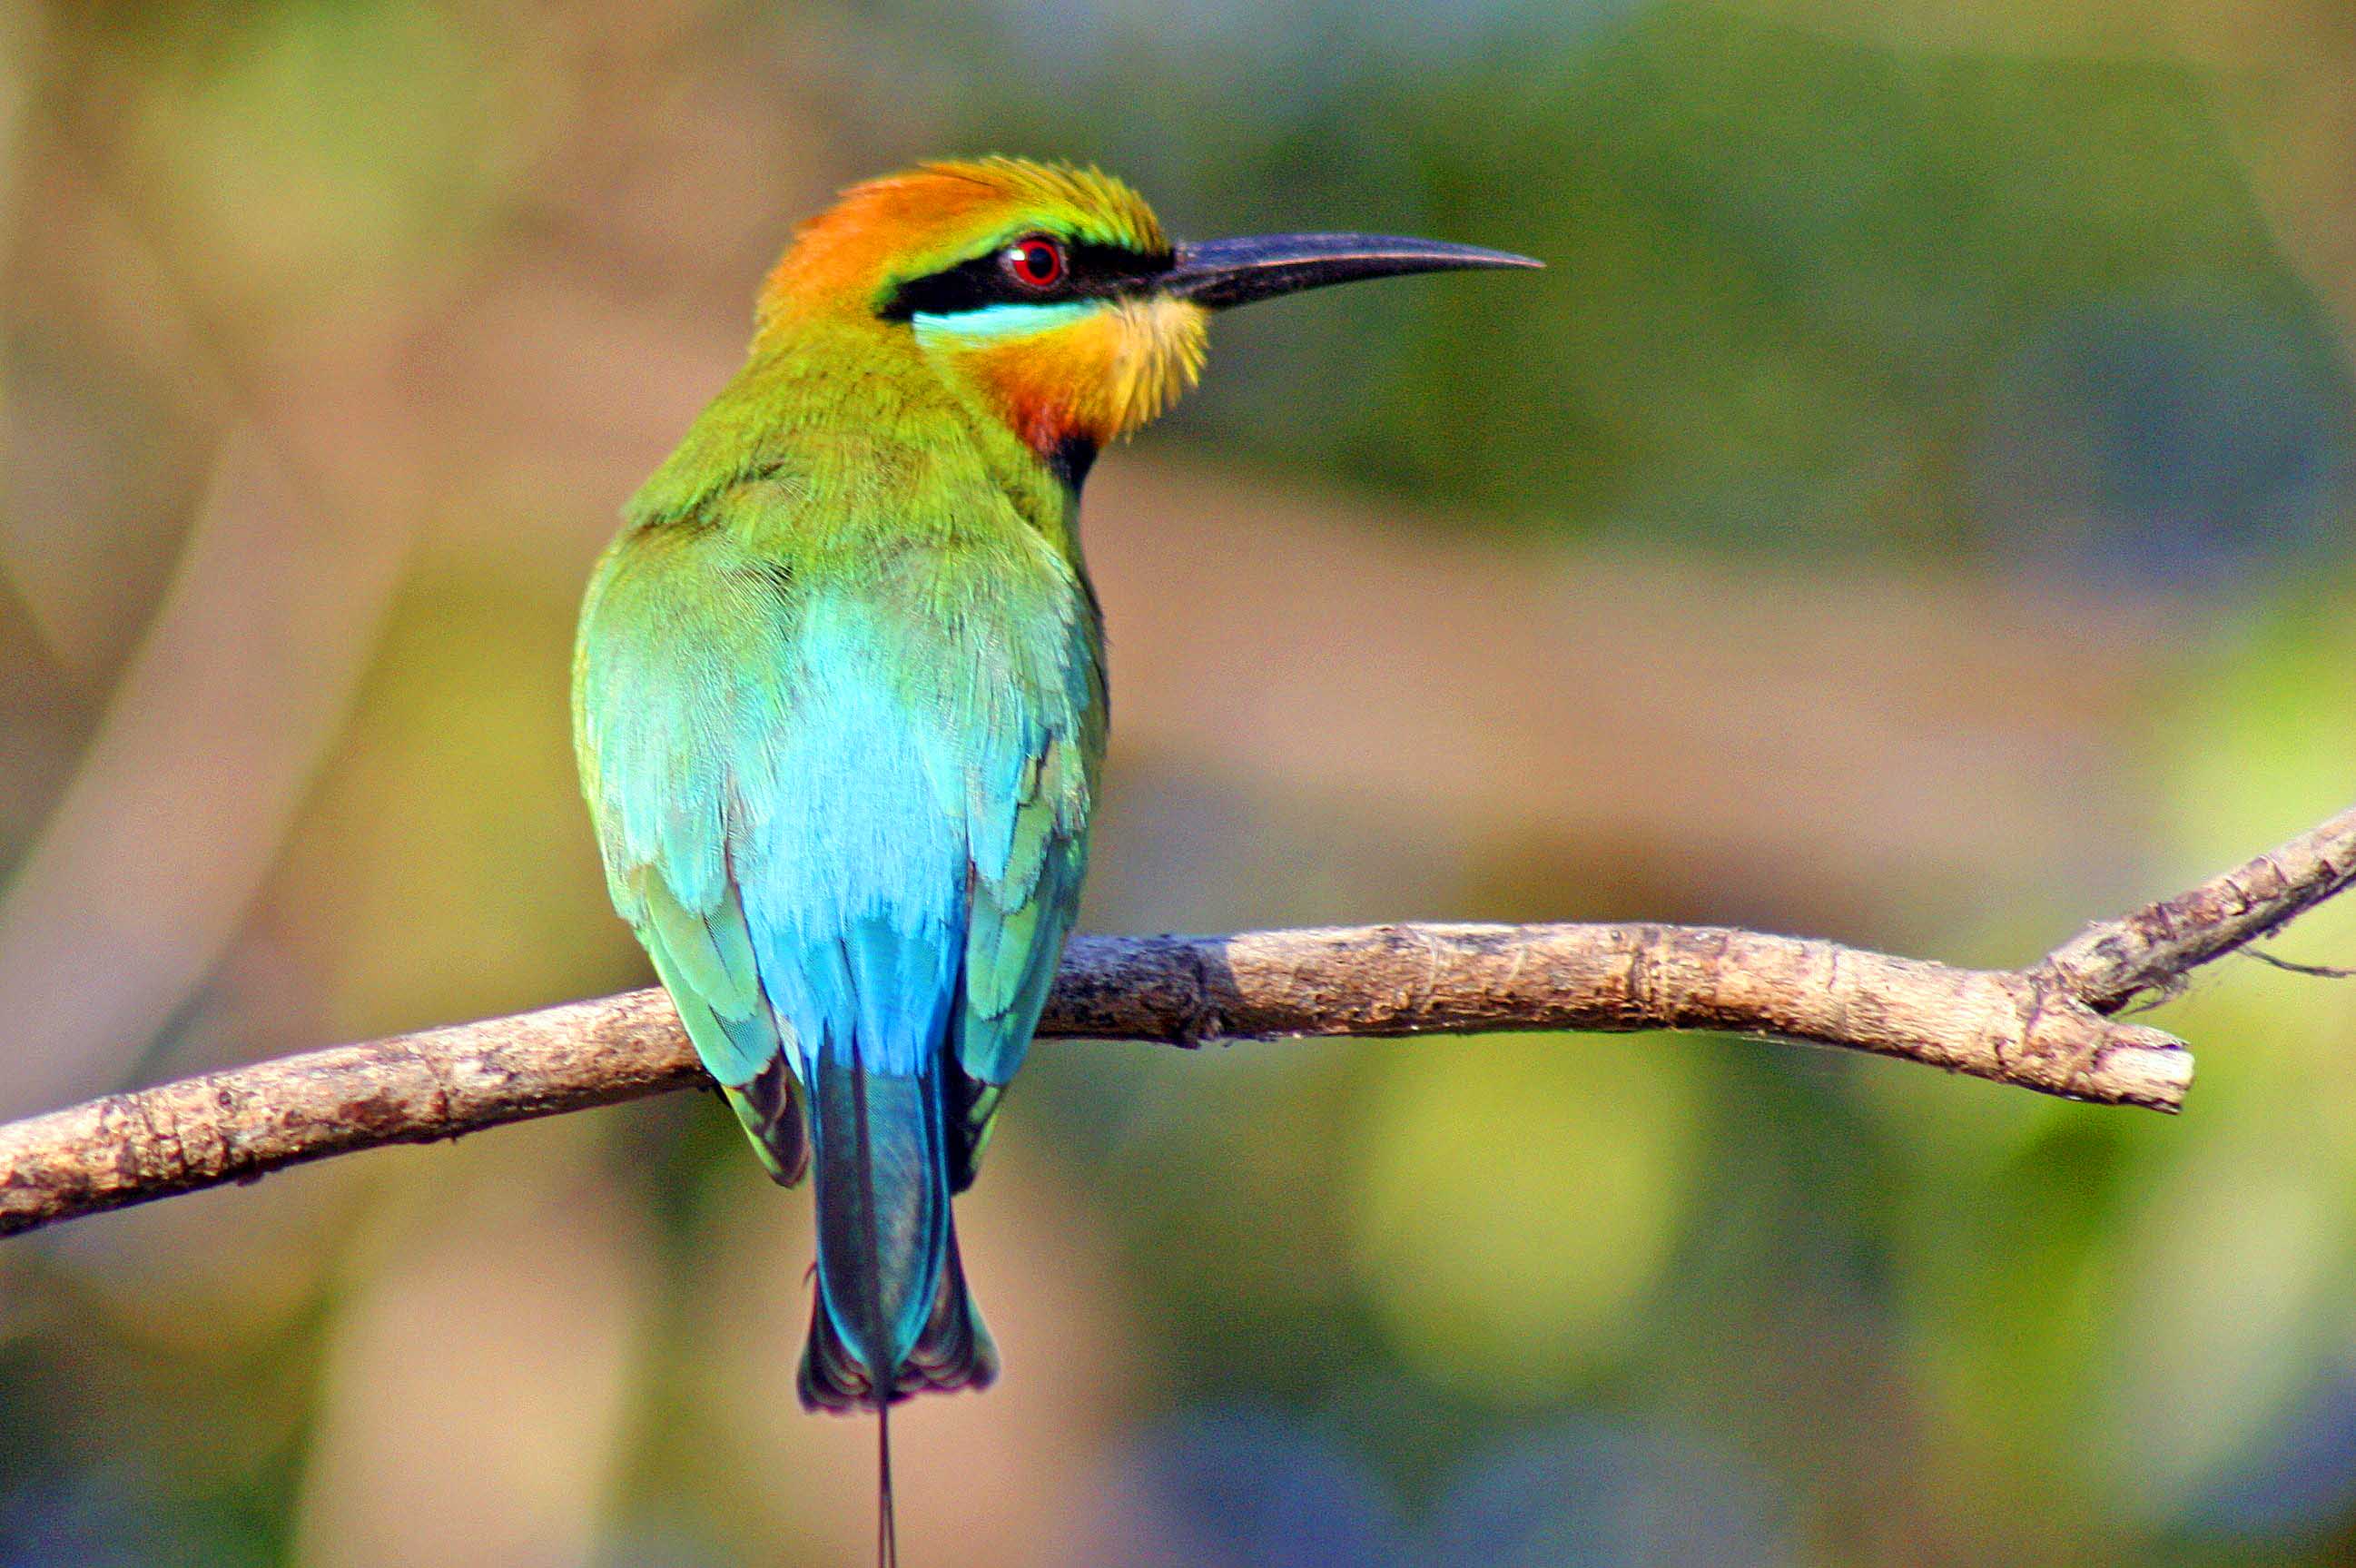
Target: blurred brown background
x=1912 y=508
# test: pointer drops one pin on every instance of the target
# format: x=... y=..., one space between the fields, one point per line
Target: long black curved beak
x=1216 y=274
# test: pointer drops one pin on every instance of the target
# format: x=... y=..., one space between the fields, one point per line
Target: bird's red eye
x=1036 y=262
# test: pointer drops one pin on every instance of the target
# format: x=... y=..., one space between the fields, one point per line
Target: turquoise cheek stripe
x=1001 y=320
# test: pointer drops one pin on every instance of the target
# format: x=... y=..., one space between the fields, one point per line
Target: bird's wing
x=820 y=826
x=1029 y=849
x=677 y=665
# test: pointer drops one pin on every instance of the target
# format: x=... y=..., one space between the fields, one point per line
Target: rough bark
x=2048 y=1027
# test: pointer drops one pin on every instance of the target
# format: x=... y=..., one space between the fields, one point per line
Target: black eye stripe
x=1090 y=272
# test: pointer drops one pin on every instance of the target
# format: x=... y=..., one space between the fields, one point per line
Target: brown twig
x=2150 y=951
x=2048 y=1027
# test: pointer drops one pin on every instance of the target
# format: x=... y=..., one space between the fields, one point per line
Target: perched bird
x=839 y=693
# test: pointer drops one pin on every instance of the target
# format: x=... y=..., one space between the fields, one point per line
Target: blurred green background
x=1912 y=508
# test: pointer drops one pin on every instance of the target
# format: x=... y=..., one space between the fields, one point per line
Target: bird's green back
x=845 y=648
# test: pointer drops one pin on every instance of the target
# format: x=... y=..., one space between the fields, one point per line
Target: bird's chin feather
x=1095 y=378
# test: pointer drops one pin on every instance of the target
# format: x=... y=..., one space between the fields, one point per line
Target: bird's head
x=1051 y=293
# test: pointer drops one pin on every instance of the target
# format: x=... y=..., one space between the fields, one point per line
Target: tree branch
x=2047 y=1027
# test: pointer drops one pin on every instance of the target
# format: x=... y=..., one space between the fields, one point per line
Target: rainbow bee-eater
x=839 y=692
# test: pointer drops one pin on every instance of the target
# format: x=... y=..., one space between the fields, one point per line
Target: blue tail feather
x=893 y=1316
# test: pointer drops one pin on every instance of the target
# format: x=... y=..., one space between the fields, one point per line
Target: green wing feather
x=682 y=760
